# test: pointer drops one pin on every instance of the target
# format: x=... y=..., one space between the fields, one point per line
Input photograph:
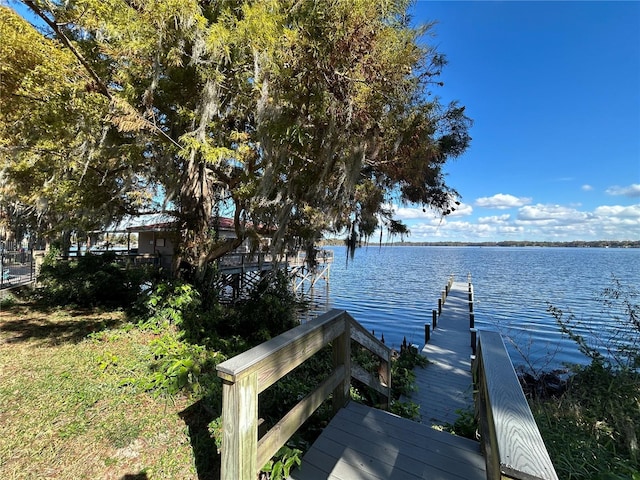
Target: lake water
x=393 y=291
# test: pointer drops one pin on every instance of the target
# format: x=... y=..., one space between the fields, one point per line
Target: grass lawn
x=66 y=414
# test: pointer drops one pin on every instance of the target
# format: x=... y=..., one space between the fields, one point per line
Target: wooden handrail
x=246 y=375
x=511 y=441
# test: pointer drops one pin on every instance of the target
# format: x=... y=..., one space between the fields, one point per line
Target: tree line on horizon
x=506 y=243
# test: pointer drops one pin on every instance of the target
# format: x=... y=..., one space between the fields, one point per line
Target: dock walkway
x=445 y=384
x=365 y=443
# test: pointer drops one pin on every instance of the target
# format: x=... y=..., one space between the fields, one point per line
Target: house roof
x=164 y=222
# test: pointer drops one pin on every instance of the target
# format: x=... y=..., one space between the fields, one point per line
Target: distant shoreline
x=577 y=244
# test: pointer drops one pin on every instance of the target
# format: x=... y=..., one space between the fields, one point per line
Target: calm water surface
x=393 y=290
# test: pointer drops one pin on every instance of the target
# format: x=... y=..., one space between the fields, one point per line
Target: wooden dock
x=445 y=384
x=362 y=442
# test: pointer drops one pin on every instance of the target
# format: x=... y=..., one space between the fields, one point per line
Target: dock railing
x=511 y=441
x=246 y=375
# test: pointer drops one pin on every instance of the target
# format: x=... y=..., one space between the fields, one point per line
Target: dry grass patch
x=65 y=413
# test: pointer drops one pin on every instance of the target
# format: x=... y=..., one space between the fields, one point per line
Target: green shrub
x=593 y=429
x=176 y=366
x=170 y=303
x=89 y=281
x=7 y=300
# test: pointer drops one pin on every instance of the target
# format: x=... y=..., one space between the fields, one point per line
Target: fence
x=17 y=267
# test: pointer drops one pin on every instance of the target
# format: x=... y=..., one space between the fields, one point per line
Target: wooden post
x=470 y=307
x=439 y=306
x=427 y=333
x=342 y=356
x=474 y=333
x=472 y=320
x=240 y=433
x=444 y=296
x=434 y=318
x=384 y=373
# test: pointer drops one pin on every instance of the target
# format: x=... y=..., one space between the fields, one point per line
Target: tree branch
x=101 y=86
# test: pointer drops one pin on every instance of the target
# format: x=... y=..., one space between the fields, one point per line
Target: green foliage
x=282 y=462
x=170 y=304
x=402 y=379
x=196 y=336
x=465 y=424
x=410 y=410
x=7 y=300
x=89 y=281
x=592 y=431
x=177 y=366
x=402 y=373
x=305 y=115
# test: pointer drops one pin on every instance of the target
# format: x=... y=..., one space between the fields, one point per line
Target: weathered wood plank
x=367 y=340
x=247 y=374
x=240 y=432
x=278 y=435
x=368 y=379
x=518 y=443
x=278 y=356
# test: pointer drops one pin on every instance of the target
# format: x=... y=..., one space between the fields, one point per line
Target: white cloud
x=551 y=214
x=495 y=219
x=537 y=222
x=586 y=188
x=502 y=201
x=405 y=213
x=631 y=211
x=632 y=190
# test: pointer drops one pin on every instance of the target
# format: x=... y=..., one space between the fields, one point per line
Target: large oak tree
x=304 y=116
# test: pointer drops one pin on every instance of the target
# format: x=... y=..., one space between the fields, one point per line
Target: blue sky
x=554 y=92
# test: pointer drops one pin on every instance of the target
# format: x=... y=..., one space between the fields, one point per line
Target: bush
x=592 y=431
x=89 y=281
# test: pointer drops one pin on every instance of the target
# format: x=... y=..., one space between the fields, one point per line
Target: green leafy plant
x=169 y=304
x=402 y=373
x=178 y=366
x=408 y=409
x=592 y=430
x=7 y=300
x=282 y=462
x=465 y=425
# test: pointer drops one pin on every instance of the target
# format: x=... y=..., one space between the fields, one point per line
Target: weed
x=465 y=424
x=282 y=462
x=7 y=300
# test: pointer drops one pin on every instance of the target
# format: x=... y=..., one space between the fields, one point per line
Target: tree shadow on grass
x=135 y=476
x=197 y=418
x=46 y=327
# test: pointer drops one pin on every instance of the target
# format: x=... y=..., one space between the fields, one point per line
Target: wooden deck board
x=444 y=385
x=365 y=443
